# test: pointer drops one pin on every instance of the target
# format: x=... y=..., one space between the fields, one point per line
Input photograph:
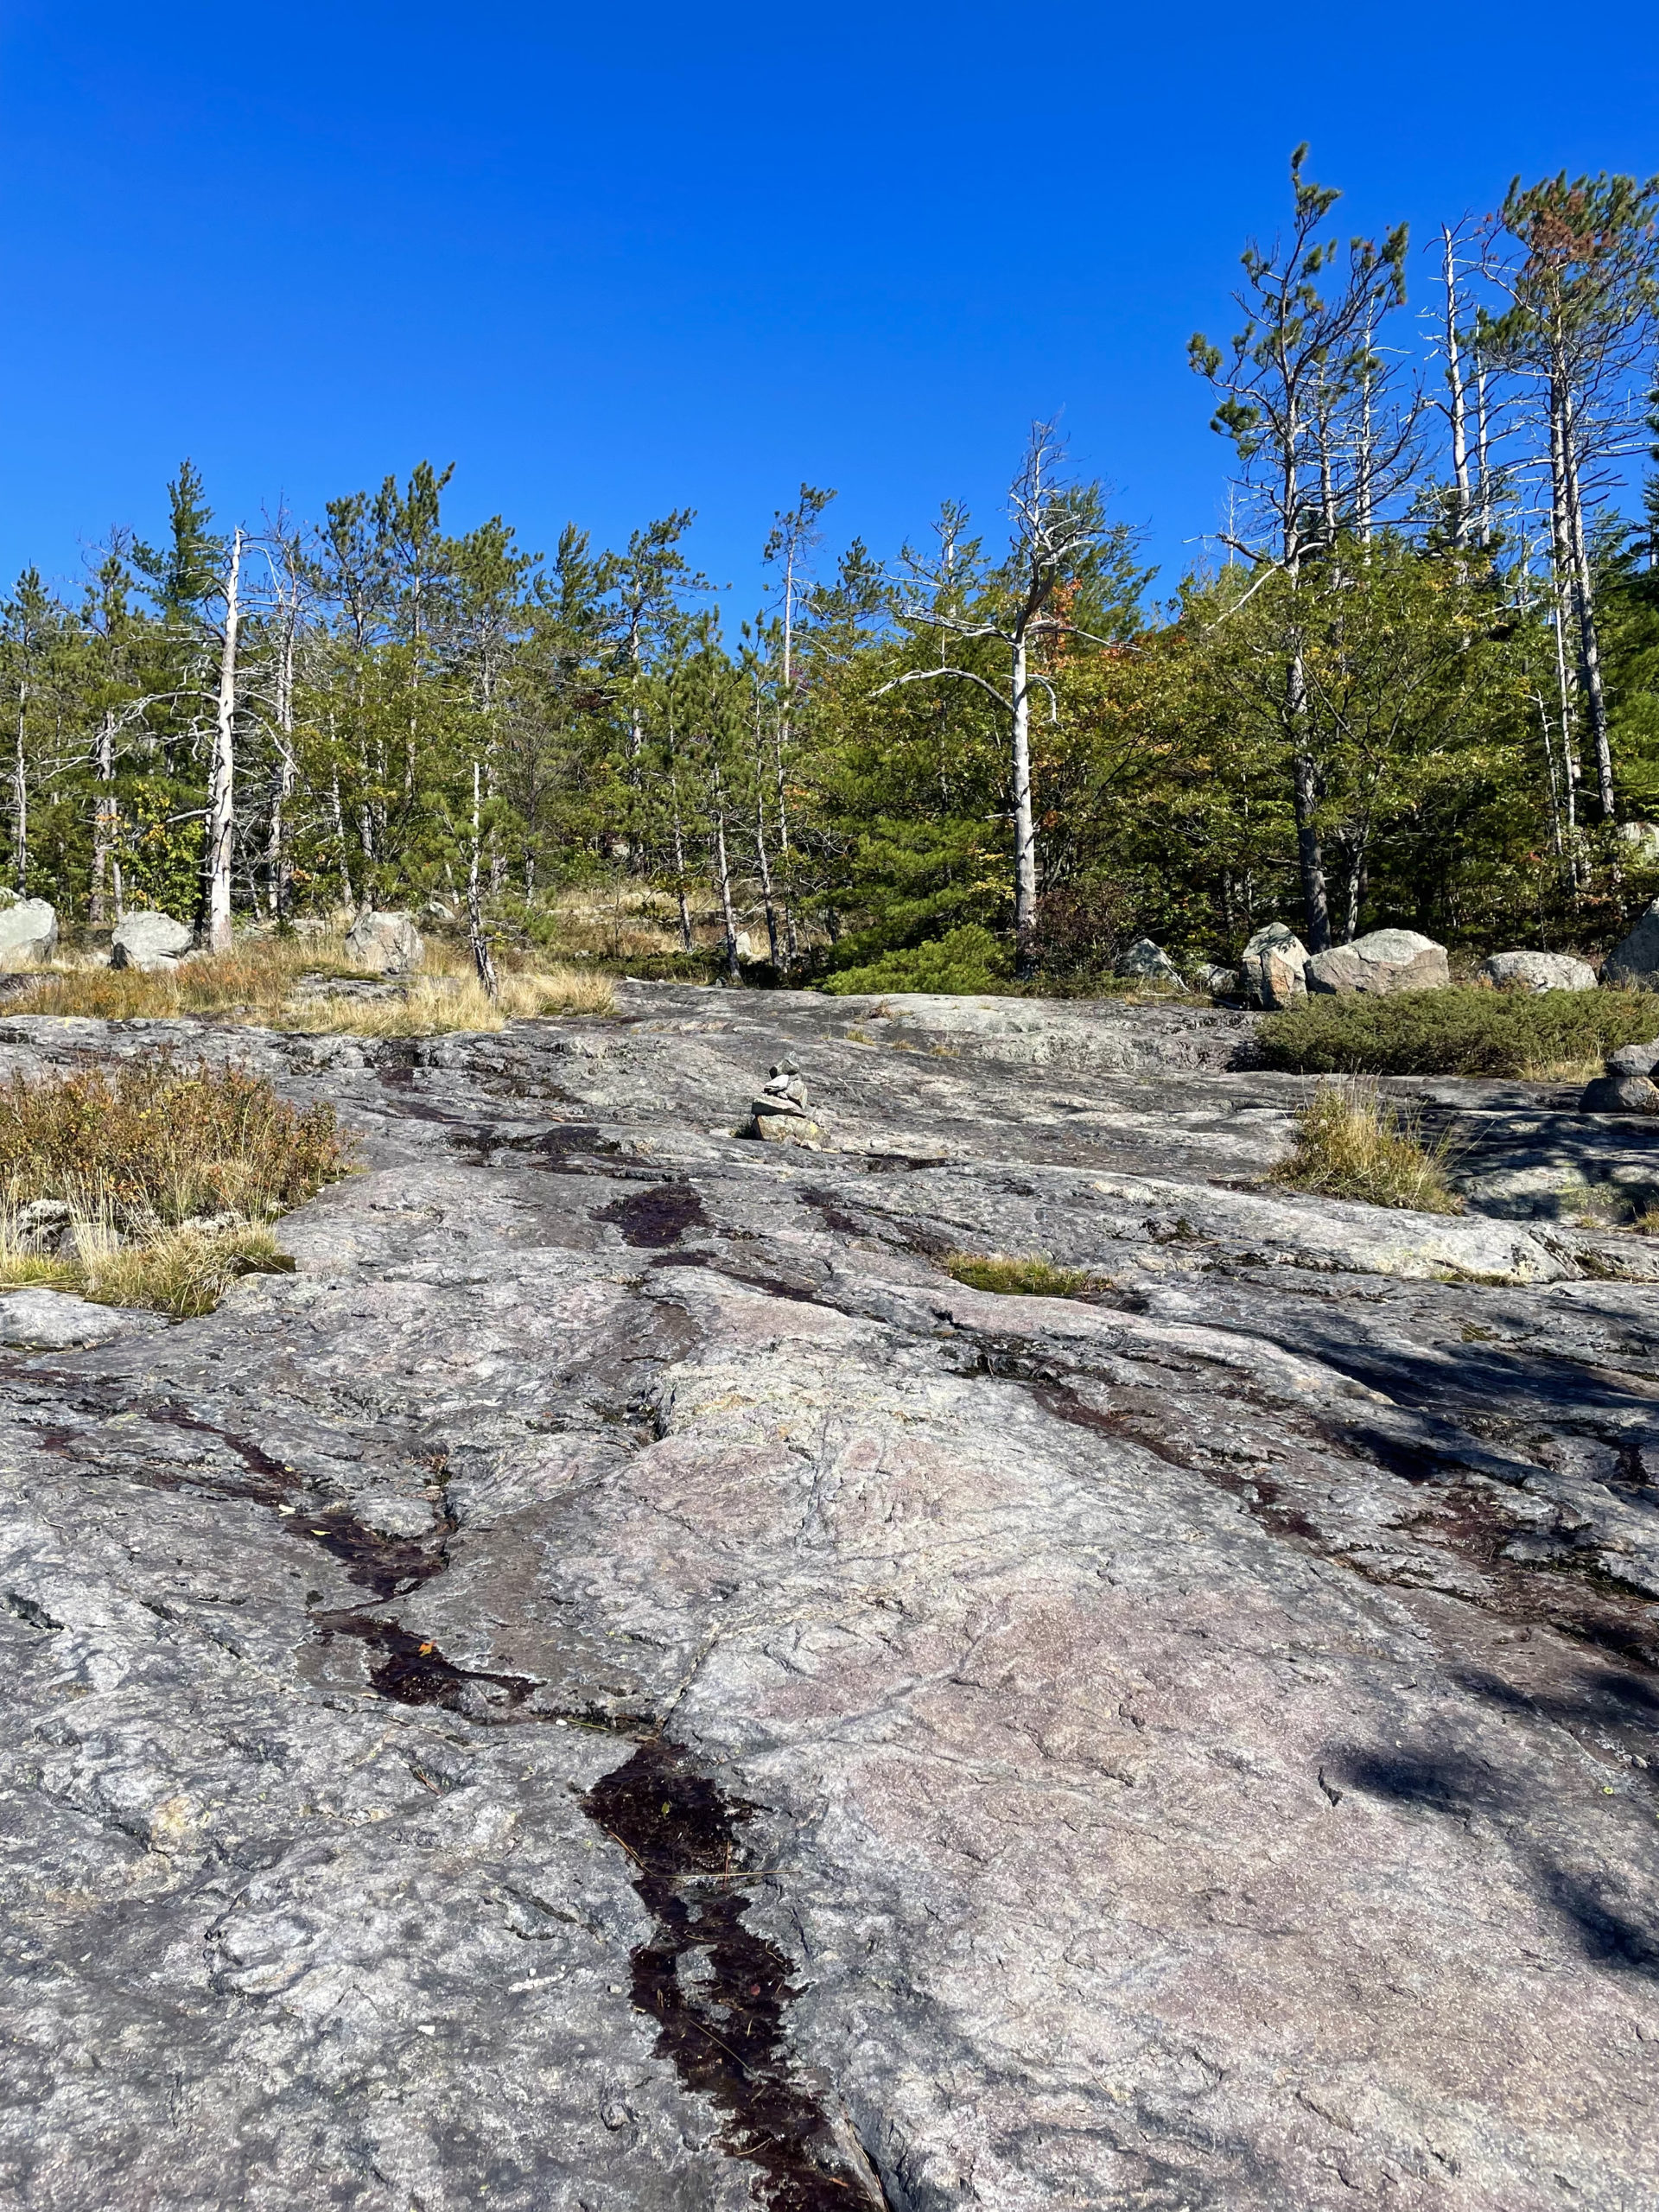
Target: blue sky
x=611 y=262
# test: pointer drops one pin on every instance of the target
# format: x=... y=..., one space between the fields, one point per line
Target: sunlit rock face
x=622 y=1684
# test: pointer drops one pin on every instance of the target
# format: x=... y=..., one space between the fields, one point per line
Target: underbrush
x=1351 y=1143
x=1542 y=1036
x=152 y=1184
x=1019 y=1278
x=282 y=983
x=966 y=961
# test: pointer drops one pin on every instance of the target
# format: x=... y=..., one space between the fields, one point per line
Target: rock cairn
x=1627 y=1084
x=780 y=1114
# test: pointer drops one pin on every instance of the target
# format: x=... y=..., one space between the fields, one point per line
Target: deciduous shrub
x=1458 y=1031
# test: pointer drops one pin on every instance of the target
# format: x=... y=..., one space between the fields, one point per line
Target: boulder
x=1634 y=1060
x=788 y=1128
x=149 y=941
x=1147 y=963
x=56 y=1319
x=1620 y=1094
x=29 y=933
x=1274 y=966
x=1223 y=983
x=1379 y=966
x=1633 y=963
x=1539 y=971
x=384 y=944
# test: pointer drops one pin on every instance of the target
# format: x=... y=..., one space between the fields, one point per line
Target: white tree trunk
x=1457 y=411
x=20 y=797
x=482 y=960
x=286 y=774
x=221 y=790
x=1025 y=833
x=724 y=874
x=103 y=824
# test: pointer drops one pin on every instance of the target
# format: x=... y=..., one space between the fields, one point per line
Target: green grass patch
x=1030 y=1277
x=1459 y=1032
x=1351 y=1143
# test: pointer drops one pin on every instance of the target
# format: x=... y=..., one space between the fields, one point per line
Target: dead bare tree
x=221 y=783
x=1059 y=531
x=1324 y=445
x=1582 y=288
x=795 y=537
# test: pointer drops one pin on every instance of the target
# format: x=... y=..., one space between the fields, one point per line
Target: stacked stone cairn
x=780 y=1114
x=1627 y=1085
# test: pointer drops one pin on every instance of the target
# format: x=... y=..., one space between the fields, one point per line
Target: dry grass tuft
x=182 y=1272
x=459 y=1002
x=258 y=984
x=152 y=1184
x=1030 y=1277
x=1351 y=1143
x=153 y=1142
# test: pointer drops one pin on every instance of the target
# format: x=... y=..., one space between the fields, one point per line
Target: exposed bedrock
x=620 y=1684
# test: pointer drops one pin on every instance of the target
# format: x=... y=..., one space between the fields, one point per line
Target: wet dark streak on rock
x=658 y=1216
x=716 y=1988
x=722 y=2027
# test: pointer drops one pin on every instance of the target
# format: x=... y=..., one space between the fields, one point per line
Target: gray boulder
x=1380 y=965
x=1274 y=966
x=29 y=933
x=149 y=941
x=384 y=945
x=1620 y=1094
x=1633 y=963
x=1224 y=982
x=1634 y=1060
x=1147 y=963
x=56 y=1319
x=1539 y=971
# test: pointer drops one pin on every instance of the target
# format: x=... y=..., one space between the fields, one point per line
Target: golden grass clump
x=182 y=1272
x=161 y=1179
x=154 y=1140
x=1350 y=1143
x=1028 y=1277
x=281 y=983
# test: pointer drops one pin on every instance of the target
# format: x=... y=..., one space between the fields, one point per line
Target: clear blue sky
x=614 y=260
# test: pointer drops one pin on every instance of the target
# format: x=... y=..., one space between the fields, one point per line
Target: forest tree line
x=1414 y=679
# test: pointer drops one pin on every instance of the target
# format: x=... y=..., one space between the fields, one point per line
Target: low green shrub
x=1458 y=1031
x=1350 y=1143
x=969 y=961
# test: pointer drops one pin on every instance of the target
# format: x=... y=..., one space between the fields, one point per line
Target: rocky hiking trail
x=620 y=1684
